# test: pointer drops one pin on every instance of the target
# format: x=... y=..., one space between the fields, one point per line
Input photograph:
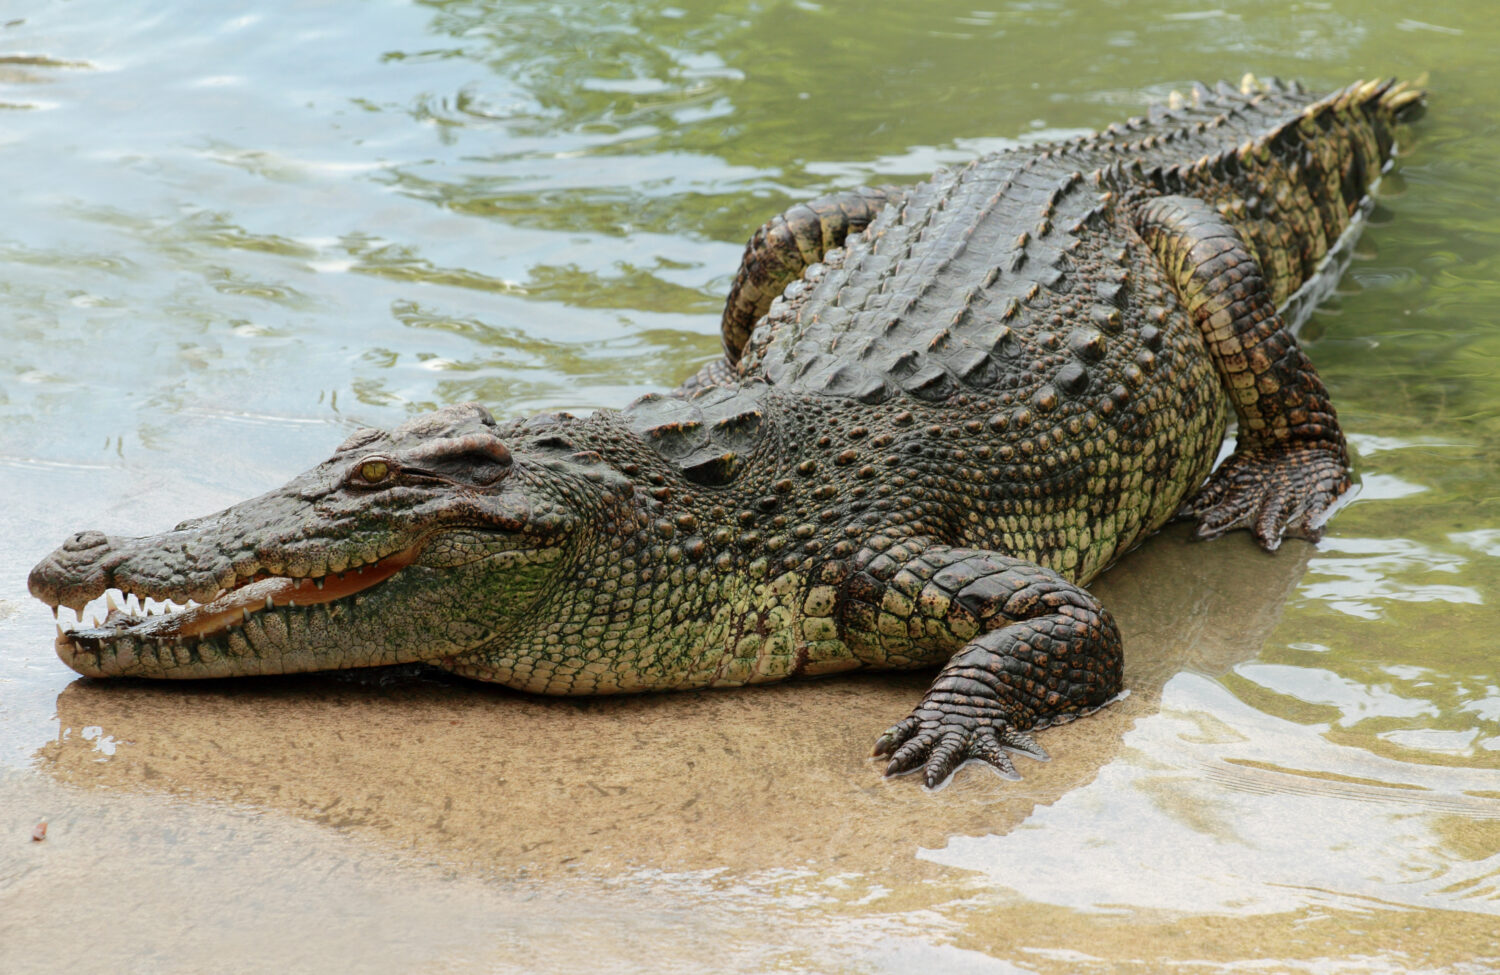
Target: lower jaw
x=225 y=638
x=263 y=645
x=127 y=657
x=322 y=630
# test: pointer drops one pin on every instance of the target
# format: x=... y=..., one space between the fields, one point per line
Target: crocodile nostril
x=83 y=541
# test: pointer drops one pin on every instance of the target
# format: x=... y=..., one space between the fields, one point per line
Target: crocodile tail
x=1404 y=101
x=1292 y=191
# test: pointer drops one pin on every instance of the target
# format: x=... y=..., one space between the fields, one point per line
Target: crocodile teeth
x=166 y=620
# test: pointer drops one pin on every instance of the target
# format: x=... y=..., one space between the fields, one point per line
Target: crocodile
x=942 y=410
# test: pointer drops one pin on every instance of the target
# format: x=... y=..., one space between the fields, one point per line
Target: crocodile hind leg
x=1290 y=462
x=1028 y=648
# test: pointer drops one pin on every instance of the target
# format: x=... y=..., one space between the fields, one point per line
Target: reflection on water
x=1362 y=575
x=1222 y=800
x=232 y=231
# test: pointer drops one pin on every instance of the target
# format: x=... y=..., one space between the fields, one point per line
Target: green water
x=232 y=231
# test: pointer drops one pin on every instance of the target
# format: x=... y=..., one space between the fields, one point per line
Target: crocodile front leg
x=1028 y=649
x=1290 y=462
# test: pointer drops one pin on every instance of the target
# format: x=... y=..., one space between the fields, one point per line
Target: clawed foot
x=1273 y=491
x=941 y=739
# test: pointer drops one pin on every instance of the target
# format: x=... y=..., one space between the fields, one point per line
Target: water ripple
x=1375 y=572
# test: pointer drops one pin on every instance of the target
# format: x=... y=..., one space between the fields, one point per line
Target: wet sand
x=407 y=821
x=529 y=787
x=402 y=820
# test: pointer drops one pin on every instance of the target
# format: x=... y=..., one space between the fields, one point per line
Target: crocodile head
x=418 y=544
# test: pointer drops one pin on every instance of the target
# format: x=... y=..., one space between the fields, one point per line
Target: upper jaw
x=315 y=526
x=168 y=567
x=196 y=600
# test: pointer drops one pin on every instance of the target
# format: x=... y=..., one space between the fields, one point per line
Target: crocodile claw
x=940 y=740
x=1273 y=491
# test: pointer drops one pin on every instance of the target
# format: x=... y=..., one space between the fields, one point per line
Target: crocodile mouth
x=133 y=624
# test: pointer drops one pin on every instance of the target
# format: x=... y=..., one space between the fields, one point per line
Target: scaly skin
x=970 y=397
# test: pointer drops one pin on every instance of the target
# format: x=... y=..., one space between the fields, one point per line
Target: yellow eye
x=374 y=471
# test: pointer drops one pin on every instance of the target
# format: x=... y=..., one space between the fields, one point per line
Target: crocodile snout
x=77 y=571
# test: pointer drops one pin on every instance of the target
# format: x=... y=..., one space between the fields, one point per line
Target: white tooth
x=291 y=604
x=245 y=611
x=318 y=582
x=268 y=602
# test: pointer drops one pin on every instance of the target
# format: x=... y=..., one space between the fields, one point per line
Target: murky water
x=232 y=231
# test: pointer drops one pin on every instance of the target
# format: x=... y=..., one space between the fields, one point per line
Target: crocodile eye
x=374 y=471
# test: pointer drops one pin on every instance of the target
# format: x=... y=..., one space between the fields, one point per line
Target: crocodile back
x=1000 y=360
x=927 y=301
